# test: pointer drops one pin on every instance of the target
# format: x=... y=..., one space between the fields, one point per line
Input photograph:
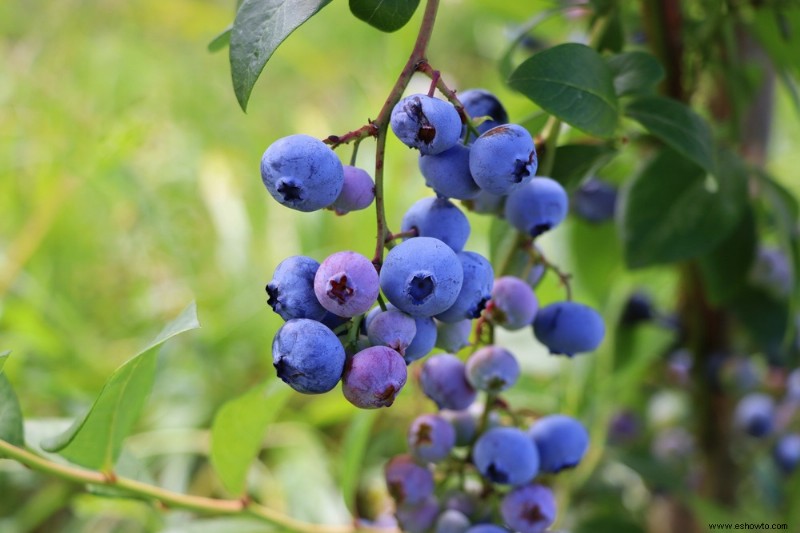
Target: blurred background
x=129 y=186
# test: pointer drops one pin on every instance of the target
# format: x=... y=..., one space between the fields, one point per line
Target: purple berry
x=307 y=356
x=492 y=369
x=452 y=521
x=787 y=452
x=513 y=305
x=464 y=422
x=443 y=379
x=529 y=509
x=503 y=159
x=453 y=337
x=538 y=206
x=291 y=290
x=421 y=276
x=346 y=284
x=418 y=518
x=358 y=191
x=302 y=172
x=481 y=103
x=407 y=481
x=569 y=328
x=448 y=173
x=561 y=442
x=438 y=218
x=755 y=414
x=373 y=377
x=595 y=201
x=506 y=455
x=392 y=328
x=475 y=290
x=424 y=338
x=431 y=438
x=426 y=123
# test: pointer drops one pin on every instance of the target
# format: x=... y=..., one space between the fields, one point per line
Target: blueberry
x=569 y=328
x=407 y=481
x=475 y=291
x=638 y=308
x=561 y=442
x=492 y=369
x=307 y=356
x=755 y=414
x=772 y=270
x=453 y=337
x=787 y=452
x=481 y=103
x=513 y=305
x=443 y=379
x=358 y=191
x=291 y=290
x=487 y=528
x=503 y=159
x=595 y=201
x=421 y=276
x=448 y=173
x=418 y=518
x=537 y=206
x=793 y=385
x=529 y=509
x=392 y=328
x=431 y=438
x=438 y=218
x=373 y=377
x=486 y=203
x=506 y=455
x=426 y=123
x=346 y=284
x=302 y=172
x=464 y=422
x=424 y=338
x=452 y=521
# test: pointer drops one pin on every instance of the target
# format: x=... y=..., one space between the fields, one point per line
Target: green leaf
x=725 y=269
x=572 y=82
x=238 y=430
x=11 y=429
x=354 y=447
x=385 y=15
x=95 y=440
x=259 y=28
x=612 y=38
x=677 y=125
x=674 y=211
x=574 y=162
x=3 y=356
x=635 y=72
x=222 y=40
x=765 y=318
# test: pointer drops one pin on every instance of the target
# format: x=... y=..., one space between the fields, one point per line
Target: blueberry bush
x=564 y=298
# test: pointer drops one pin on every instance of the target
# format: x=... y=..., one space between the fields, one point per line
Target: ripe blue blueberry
x=755 y=414
x=438 y=218
x=431 y=438
x=787 y=452
x=487 y=528
x=529 y=509
x=307 y=356
x=291 y=290
x=503 y=159
x=448 y=173
x=464 y=422
x=569 y=328
x=561 y=442
x=302 y=172
x=453 y=337
x=481 y=103
x=421 y=276
x=595 y=201
x=426 y=123
x=513 y=305
x=418 y=518
x=506 y=455
x=444 y=380
x=346 y=284
x=452 y=521
x=537 y=207
x=358 y=191
x=392 y=328
x=492 y=369
x=373 y=377
x=475 y=290
x=407 y=481
x=486 y=203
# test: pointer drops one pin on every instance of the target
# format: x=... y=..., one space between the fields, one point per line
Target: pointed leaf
x=3 y=356
x=95 y=440
x=635 y=72
x=572 y=82
x=726 y=267
x=238 y=430
x=573 y=162
x=222 y=40
x=385 y=15
x=11 y=429
x=677 y=125
x=259 y=28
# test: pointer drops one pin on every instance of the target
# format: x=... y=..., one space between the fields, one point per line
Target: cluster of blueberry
x=464 y=437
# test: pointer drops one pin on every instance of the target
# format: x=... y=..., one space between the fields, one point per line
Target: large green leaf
x=677 y=125
x=238 y=430
x=573 y=162
x=95 y=440
x=725 y=268
x=354 y=448
x=635 y=72
x=385 y=15
x=3 y=356
x=673 y=210
x=11 y=429
x=259 y=28
x=572 y=82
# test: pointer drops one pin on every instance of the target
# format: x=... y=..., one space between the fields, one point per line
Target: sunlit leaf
x=385 y=15
x=11 y=429
x=3 y=357
x=222 y=40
